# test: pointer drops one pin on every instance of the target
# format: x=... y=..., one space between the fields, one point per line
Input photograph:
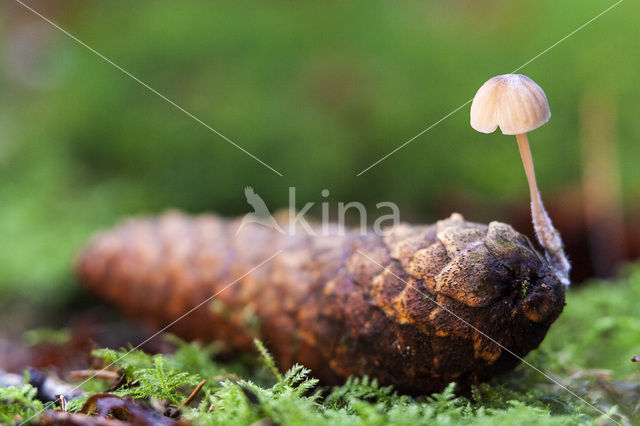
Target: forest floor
x=589 y=351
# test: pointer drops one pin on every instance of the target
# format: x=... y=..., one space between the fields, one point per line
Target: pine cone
x=417 y=309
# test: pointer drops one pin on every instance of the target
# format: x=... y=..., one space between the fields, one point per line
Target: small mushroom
x=517 y=105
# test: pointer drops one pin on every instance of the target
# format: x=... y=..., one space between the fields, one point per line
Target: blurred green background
x=319 y=91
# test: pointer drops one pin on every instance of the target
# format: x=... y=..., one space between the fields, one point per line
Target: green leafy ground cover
x=588 y=349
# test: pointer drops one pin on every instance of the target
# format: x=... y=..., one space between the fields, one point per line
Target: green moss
x=18 y=403
x=597 y=331
x=599 y=328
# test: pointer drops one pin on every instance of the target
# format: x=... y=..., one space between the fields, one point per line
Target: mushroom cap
x=513 y=102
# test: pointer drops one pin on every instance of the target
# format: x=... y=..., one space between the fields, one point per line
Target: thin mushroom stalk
x=548 y=236
x=517 y=105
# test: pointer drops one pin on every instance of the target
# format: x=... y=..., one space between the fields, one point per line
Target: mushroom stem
x=527 y=162
x=547 y=235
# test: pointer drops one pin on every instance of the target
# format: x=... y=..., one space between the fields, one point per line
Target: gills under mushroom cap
x=513 y=102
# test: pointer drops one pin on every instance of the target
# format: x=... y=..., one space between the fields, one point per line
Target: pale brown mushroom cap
x=513 y=102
